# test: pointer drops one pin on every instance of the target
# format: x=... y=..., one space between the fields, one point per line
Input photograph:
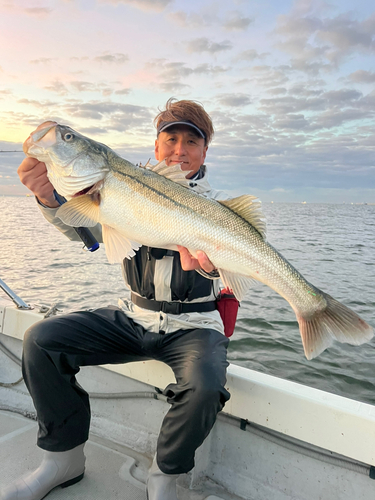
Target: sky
x=290 y=86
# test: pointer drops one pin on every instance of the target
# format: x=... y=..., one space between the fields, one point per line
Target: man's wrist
x=47 y=203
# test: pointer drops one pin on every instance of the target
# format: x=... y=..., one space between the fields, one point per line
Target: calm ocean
x=333 y=246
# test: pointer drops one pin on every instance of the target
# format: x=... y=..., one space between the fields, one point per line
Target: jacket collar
x=200 y=184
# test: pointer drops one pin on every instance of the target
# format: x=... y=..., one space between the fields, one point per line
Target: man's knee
x=207 y=387
x=208 y=376
x=33 y=334
x=37 y=337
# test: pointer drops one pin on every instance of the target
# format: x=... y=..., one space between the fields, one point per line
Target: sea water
x=333 y=246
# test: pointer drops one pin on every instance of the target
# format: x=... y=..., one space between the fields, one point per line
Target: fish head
x=74 y=162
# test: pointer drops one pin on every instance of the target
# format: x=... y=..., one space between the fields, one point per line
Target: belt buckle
x=171 y=307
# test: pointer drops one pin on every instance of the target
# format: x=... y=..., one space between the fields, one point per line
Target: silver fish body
x=152 y=206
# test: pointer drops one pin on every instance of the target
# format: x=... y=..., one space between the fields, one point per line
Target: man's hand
x=33 y=174
x=188 y=262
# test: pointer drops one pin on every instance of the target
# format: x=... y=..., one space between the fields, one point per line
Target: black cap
x=164 y=125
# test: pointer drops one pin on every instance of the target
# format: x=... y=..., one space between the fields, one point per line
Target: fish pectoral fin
x=82 y=211
x=173 y=173
x=245 y=207
x=236 y=282
x=117 y=245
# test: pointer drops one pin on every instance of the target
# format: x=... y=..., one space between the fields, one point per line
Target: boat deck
x=112 y=471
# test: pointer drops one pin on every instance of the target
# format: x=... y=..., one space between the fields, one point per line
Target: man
x=171 y=317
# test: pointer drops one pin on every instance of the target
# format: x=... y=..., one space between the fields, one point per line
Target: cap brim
x=165 y=125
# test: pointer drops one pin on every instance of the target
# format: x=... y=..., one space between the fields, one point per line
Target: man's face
x=179 y=144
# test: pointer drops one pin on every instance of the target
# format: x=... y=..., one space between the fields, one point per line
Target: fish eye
x=68 y=136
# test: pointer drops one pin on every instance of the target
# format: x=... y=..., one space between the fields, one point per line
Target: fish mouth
x=41 y=131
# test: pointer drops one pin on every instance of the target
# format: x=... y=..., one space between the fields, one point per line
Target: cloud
x=190 y=20
x=175 y=70
x=79 y=59
x=275 y=155
x=145 y=5
x=92 y=131
x=342 y=96
x=268 y=76
x=291 y=121
x=312 y=109
x=205 y=17
x=38 y=104
x=362 y=76
x=205 y=45
x=14 y=119
x=234 y=100
x=122 y=92
x=345 y=34
x=250 y=55
x=335 y=118
x=277 y=91
x=81 y=86
x=105 y=90
x=57 y=87
x=115 y=116
x=85 y=86
x=117 y=58
x=174 y=74
x=307 y=88
x=173 y=87
x=42 y=60
x=313 y=104
x=236 y=22
x=38 y=11
x=105 y=57
x=323 y=43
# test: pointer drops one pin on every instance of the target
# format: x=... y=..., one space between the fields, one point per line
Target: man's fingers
x=188 y=262
x=29 y=164
x=205 y=262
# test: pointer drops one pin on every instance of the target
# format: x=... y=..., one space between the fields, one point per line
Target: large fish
x=153 y=206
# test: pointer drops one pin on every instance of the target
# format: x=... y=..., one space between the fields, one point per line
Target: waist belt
x=173 y=307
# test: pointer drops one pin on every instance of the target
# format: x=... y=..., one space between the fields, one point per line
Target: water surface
x=333 y=246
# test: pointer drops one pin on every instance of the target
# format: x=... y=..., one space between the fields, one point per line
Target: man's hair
x=185 y=110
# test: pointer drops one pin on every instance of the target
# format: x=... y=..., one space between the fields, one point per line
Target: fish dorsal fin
x=251 y=211
x=173 y=172
x=147 y=166
x=236 y=282
x=117 y=245
x=82 y=211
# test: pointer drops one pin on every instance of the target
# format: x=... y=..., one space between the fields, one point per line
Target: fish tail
x=335 y=322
